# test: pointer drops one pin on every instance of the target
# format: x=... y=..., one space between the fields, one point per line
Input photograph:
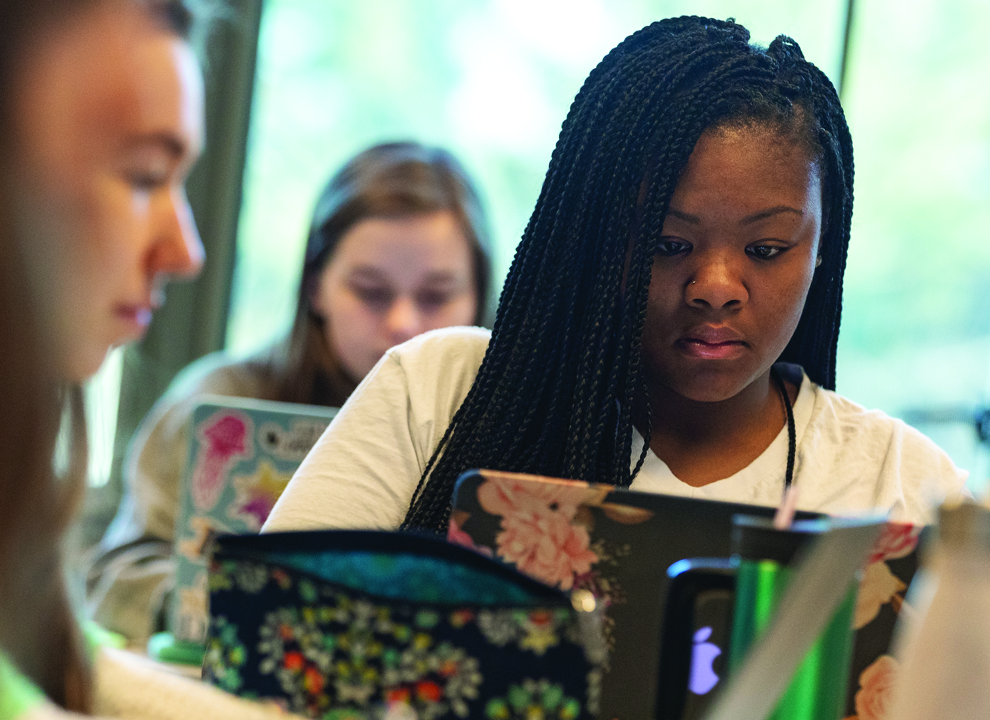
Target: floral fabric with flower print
x=539 y=533
x=533 y=699
x=880 y=600
x=326 y=651
x=546 y=531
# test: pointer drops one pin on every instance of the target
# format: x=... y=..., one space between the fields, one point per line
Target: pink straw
x=788 y=506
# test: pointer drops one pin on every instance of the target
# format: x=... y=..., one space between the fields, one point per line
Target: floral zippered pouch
x=364 y=624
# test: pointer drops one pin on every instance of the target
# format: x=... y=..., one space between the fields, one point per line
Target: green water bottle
x=764 y=557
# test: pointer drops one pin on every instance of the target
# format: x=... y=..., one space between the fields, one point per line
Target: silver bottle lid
x=965 y=525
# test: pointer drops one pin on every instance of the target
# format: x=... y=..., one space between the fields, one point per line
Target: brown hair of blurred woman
x=40 y=488
x=390 y=180
x=38 y=630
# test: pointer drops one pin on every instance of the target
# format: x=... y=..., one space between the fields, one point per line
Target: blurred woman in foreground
x=102 y=111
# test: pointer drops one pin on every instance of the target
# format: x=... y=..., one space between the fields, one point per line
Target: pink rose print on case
x=547 y=547
x=539 y=534
x=554 y=530
x=507 y=496
x=896 y=541
x=223 y=442
x=879 y=585
x=874 y=698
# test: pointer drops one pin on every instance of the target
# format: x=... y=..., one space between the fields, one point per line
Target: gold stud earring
x=818 y=262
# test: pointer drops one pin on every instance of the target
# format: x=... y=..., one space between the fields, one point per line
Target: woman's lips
x=137 y=317
x=712 y=342
x=712 y=351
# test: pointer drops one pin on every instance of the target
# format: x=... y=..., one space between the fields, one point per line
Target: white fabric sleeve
x=362 y=472
x=131 y=687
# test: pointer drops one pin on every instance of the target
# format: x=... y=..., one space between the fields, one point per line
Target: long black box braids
x=558 y=387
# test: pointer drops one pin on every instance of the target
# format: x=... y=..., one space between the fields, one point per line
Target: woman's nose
x=178 y=251
x=403 y=320
x=716 y=283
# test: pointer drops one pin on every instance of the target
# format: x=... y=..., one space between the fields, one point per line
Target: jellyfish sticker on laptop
x=224 y=440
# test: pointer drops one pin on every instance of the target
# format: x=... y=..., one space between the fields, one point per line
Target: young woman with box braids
x=691 y=232
x=567 y=343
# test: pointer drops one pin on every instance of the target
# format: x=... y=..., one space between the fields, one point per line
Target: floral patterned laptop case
x=349 y=625
x=618 y=544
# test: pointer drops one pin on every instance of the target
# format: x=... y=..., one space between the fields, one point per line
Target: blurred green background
x=492 y=81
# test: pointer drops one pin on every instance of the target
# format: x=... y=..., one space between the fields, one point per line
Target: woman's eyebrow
x=367 y=272
x=693 y=219
x=440 y=277
x=748 y=220
x=770 y=212
x=174 y=146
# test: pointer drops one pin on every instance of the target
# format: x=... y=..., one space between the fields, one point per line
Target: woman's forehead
x=759 y=144
x=739 y=173
x=106 y=75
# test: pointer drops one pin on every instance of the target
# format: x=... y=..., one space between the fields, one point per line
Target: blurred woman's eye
x=148 y=169
x=375 y=296
x=432 y=299
x=668 y=247
x=148 y=179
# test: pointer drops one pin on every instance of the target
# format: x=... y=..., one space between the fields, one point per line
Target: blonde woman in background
x=397 y=246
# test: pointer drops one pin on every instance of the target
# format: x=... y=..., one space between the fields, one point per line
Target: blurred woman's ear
x=310 y=289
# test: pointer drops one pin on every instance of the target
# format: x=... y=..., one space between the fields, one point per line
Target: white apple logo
x=703 y=677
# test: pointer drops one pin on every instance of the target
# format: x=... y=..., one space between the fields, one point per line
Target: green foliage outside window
x=492 y=80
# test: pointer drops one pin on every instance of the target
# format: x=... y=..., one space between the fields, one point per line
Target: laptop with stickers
x=242 y=453
x=624 y=546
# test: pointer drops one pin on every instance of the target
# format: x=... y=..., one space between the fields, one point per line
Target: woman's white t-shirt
x=363 y=471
